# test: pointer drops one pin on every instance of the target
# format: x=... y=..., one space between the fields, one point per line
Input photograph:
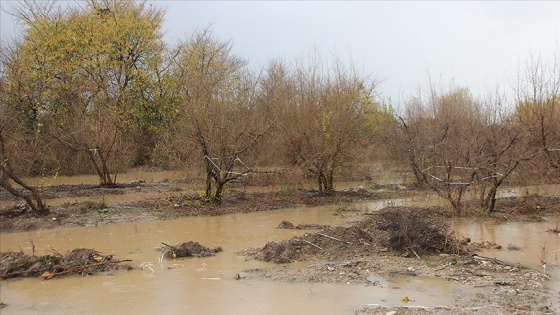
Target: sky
x=476 y=44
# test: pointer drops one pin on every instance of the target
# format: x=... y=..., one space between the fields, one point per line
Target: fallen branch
x=74 y=269
x=308 y=242
x=66 y=269
x=334 y=238
x=494 y=260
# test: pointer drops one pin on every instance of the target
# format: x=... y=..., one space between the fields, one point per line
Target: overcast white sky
x=478 y=44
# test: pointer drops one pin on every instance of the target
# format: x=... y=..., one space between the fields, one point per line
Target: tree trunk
x=457 y=207
x=320 y=181
x=420 y=179
x=490 y=201
x=219 y=189
x=33 y=200
x=328 y=181
x=208 y=193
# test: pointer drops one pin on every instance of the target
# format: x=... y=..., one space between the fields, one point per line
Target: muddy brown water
x=196 y=286
x=207 y=285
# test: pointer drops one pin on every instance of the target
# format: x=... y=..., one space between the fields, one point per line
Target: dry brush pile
x=401 y=230
x=188 y=249
x=79 y=261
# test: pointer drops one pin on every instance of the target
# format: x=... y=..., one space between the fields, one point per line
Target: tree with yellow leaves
x=89 y=75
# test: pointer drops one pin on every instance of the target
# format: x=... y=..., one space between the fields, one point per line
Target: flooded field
x=208 y=285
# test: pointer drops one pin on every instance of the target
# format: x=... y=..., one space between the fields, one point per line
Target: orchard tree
x=275 y=97
x=439 y=134
x=455 y=144
x=218 y=113
x=537 y=112
x=324 y=122
x=502 y=149
x=89 y=71
x=19 y=139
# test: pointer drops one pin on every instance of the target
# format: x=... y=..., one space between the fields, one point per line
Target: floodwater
x=207 y=285
x=197 y=286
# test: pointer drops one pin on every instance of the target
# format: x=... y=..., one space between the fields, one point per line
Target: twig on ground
x=334 y=238
x=308 y=242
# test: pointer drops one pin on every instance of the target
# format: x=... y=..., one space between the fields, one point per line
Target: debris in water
x=82 y=261
x=188 y=249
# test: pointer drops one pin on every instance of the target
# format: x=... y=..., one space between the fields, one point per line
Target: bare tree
x=502 y=149
x=456 y=144
x=322 y=124
x=219 y=115
x=439 y=137
x=9 y=178
x=538 y=112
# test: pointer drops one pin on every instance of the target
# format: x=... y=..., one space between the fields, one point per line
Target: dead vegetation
x=409 y=231
x=290 y=226
x=398 y=229
x=79 y=261
x=188 y=249
x=530 y=205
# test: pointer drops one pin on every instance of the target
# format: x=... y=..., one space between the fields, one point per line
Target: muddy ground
x=385 y=244
x=355 y=254
x=18 y=218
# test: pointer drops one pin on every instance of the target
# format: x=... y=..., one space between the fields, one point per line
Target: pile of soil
x=188 y=249
x=81 y=261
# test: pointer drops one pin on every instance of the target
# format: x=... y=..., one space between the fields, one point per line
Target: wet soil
x=90 y=213
x=398 y=242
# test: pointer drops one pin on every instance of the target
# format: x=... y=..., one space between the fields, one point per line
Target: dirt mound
x=78 y=261
x=290 y=226
x=399 y=229
x=188 y=249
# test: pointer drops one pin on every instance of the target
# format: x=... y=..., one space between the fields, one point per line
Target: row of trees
x=95 y=89
x=456 y=144
x=96 y=86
